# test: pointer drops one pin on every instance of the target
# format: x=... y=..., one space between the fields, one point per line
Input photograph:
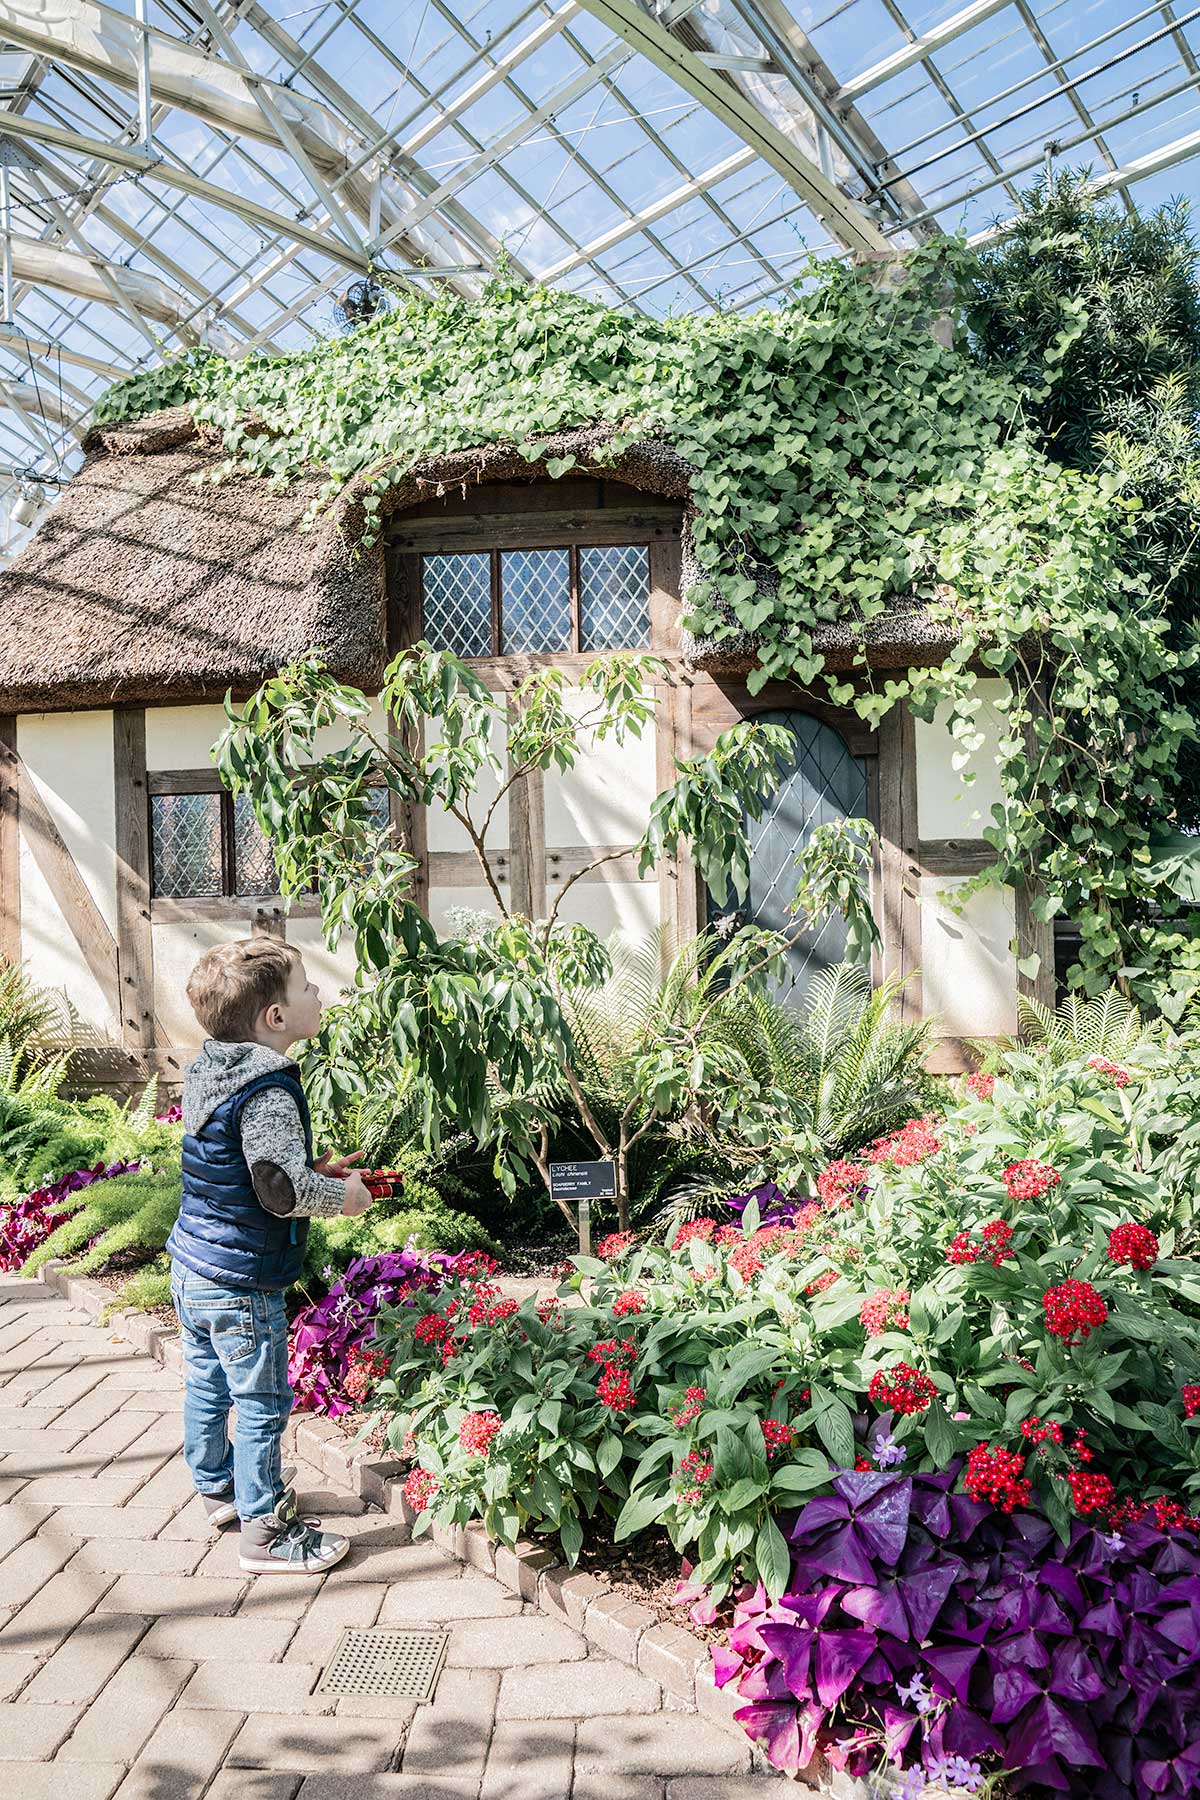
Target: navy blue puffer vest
x=222 y=1232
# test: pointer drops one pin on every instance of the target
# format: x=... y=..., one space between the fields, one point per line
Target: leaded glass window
x=563 y=599
x=253 y=861
x=185 y=833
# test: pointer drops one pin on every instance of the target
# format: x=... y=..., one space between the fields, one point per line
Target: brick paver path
x=136 y=1660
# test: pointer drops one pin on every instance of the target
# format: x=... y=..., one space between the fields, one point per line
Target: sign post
x=583 y=1182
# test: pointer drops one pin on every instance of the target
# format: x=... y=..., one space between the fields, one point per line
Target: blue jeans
x=234 y=1353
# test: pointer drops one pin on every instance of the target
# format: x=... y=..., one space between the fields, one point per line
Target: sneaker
x=283 y=1543
x=220 y=1508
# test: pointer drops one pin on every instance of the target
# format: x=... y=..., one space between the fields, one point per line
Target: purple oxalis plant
x=922 y=1627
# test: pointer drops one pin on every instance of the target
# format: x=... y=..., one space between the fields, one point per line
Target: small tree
x=475 y=1028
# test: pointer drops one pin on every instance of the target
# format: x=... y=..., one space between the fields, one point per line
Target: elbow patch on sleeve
x=273 y=1189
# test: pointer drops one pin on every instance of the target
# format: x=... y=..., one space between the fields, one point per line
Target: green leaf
x=773 y=1558
x=641 y=1509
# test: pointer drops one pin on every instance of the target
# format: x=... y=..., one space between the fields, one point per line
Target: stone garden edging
x=669 y=1654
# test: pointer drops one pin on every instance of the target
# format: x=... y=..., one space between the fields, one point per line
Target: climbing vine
x=846 y=461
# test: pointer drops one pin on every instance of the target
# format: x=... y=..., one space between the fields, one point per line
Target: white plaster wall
x=182 y=737
x=476 y=899
x=70 y=758
x=969 y=974
x=444 y=832
x=948 y=806
x=606 y=797
x=332 y=970
x=178 y=947
x=630 y=907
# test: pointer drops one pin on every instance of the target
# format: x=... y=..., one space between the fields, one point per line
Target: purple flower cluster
x=26 y=1226
x=950 y=1633
x=775 y=1207
x=324 y=1335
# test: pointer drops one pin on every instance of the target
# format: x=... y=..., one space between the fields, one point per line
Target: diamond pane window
x=458 y=603
x=535 y=600
x=185 y=832
x=614 y=597
x=253 y=862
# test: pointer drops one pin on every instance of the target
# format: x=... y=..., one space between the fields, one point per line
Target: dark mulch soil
x=645 y=1569
x=537 y=1257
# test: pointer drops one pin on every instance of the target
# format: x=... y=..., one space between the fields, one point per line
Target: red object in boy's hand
x=381 y=1183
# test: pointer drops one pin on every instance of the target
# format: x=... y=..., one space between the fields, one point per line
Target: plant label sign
x=583 y=1182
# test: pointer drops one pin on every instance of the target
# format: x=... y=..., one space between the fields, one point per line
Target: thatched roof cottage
x=150 y=592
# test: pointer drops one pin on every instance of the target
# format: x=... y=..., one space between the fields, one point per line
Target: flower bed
x=25 y=1226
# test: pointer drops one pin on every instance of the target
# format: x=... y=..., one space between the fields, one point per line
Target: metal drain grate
x=403 y=1664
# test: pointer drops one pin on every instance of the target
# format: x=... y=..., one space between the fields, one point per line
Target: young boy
x=250 y=1186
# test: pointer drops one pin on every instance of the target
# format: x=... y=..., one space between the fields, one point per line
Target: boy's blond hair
x=231 y=985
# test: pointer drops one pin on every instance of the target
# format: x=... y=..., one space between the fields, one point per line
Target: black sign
x=583 y=1180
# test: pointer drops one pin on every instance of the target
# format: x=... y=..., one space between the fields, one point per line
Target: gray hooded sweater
x=272 y=1131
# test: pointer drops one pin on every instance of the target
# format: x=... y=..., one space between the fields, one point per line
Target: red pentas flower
x=903 y=1388
x=822 y=1283
x=981 y=1085
x=434 y=1328
x=997 y=1235
x=997 y=1476
x=841 y=1182
x=912 y=1144
x=777 y=1436
x=1133 y=1244
x=695 y=1228
x=690 y=1408
x=1073 y=1311
x=690 y=1476
x=614 y=1390
x=616 y=1245
x=364 y=1369
x=477 y=1430
x=632 y=1301
x=1091 y=1493
x=727 y=1235
x=1116 y=1074
x=607 y=1350
x=550 y=1310
x=1191 y=1401
x=1039 y=1432
x=884 y=1309
x=419 y=1489
x=1029 y=1178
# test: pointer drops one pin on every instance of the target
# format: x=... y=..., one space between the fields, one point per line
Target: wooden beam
x=135 y=942
x=1035 y=937
x=527 y=840
x=956 y=856
x=900 y=857
x=60 y=872
x=10 y=843
x=184 y=781
x=234 y=909
x=536 y=530
x=954 y=1055
x=403 y=620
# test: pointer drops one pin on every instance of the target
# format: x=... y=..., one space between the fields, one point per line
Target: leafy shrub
x=25 y=1226
x=131 y=1212
x=30 y=1016
x=333 y=1244
x=920 y=1624
x=145 y=1290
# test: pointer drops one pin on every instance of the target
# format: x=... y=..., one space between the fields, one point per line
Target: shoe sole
x=225 y=1515
x=274 y=1565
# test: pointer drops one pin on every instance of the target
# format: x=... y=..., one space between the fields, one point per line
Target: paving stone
x=77 y=1671
x=252 y=1784
x=378 y=1706
x=471 y=1596
x=566 y=1595
x=32 y=1733
x=34 y=1419
x=270 y=1688
x=219 y=1640
x=390 y=1787
x=89 y=1413
x=15 y=1670
x=134 y=1556
x=337 y=1605
x=44 y=1781
x=280 y=1597
x=529 y=1761
x=19 y=1520
x=74 y=1490
x=108 y=1440
x=190 y=1522
x=171 y=1486
x=615 y=1623
x=30 y=1567
x=576 y=1690
x=453 y=1731
x=594 y=1784
x=172 y=1596
x=383 y=1555
x=661 y=1743
x=723 y=1787
x=671 y=1656
x=113 y=1521
x=54 y=1611
x=184 y=1751
x=37 y=1440
x=118 y=1723
x=520 y=1567
x=502 y=1643
x=328 y=1745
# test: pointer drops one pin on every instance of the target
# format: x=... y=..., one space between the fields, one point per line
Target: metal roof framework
x=175 y=172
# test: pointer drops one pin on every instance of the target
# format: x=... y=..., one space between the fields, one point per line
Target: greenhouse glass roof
x=177 y=173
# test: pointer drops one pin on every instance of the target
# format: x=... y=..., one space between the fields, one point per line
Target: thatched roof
x=146 y=585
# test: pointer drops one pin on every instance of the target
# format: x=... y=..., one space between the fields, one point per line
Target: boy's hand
x=358 y=1196
x=330 y=1163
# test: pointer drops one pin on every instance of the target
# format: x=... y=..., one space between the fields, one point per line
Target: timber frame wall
x=692 y=709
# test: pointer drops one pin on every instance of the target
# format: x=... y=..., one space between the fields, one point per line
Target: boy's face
x=298 y=1014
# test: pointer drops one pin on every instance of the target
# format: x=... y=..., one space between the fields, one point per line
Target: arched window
x=823 y=781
